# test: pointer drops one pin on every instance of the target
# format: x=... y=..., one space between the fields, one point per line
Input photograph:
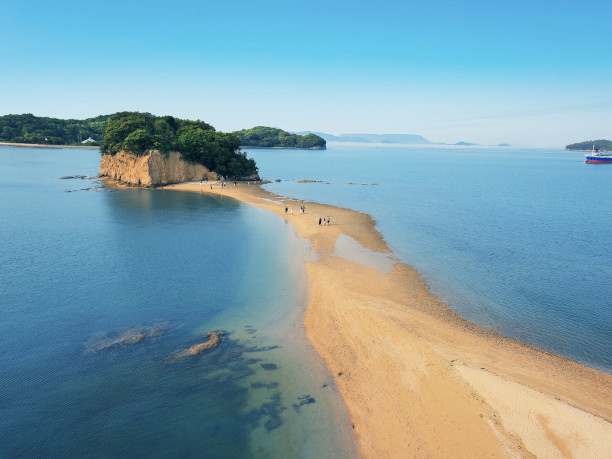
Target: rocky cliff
x=153 y=169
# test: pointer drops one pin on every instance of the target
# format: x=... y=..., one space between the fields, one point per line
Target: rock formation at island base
x=153 y=169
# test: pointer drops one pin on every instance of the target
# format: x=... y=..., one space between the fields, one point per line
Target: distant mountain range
x=409 y=139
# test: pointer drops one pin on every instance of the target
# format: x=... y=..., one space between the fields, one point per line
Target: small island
x=267 y=137
x=142 y=149
x=589 y=145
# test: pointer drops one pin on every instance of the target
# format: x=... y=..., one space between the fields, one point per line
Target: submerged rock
x=68 y=177
x=269 y=366
x=304 y=400
x=124 y=337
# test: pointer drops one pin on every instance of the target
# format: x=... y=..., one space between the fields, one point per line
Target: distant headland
x=267 y=137
x=588 y=145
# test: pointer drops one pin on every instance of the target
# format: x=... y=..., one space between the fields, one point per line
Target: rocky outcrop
x=214 y=339
x=154 y=169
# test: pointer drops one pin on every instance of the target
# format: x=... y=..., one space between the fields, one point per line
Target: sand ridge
x=417 y=379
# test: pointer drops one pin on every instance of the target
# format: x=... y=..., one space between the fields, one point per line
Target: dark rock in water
x=250 y=331
x=68 y=177
x=262 y=385
x=304 y=400
x=270 y=410
x=273 y=423
x=269 y=366
x=261 y=349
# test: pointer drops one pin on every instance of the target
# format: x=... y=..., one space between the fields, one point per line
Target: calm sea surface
x=516 y=240
x=83 y=270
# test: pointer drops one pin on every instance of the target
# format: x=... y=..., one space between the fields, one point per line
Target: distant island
x=403 y=139
x=601 y=145
x=32 y=129
x=371 y=138
x=267 y=137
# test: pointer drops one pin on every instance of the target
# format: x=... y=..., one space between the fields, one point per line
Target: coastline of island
x=46 y=145
x=283 y=148
x=416 y=378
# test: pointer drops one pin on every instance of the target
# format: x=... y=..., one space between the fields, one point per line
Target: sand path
x=420 y=381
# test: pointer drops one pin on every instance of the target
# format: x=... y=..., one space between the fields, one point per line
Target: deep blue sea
x=84 y=267
x=516 y=240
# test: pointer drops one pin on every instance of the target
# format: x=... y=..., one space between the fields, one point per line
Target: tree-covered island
x=601 y=145
x=267 y=137
x=197 y=141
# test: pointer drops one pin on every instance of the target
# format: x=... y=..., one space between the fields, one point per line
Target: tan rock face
x=153 y=169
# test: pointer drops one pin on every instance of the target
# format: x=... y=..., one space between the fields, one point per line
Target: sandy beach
x=417 y=379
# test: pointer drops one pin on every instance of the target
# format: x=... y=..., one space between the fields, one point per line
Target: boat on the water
x=596 y=157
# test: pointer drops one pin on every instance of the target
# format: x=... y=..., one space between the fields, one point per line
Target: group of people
x=302 y=210
x=323 y=221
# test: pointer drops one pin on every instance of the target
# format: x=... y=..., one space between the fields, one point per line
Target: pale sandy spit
x=418 y=380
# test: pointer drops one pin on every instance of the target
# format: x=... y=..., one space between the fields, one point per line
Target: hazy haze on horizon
x=526 y=73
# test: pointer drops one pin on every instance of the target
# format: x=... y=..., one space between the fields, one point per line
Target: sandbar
x=418 y=380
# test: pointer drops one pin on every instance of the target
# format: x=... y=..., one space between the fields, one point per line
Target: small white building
x=88 y=140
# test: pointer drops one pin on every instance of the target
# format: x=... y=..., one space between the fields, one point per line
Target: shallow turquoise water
x=516 y=240
x=81 y=267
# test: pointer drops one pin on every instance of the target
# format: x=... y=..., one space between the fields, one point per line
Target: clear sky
x=529 y=73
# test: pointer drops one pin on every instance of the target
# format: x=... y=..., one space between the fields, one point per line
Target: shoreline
x=416 y=378
x=45 y=145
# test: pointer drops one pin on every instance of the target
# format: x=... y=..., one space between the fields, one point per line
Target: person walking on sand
x=286 y=210
x=328 y=221
x=292 y=211
x=319 y=221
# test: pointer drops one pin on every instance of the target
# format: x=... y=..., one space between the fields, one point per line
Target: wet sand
x=420 y=381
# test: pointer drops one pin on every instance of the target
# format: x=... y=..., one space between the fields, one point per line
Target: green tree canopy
x=28 y=128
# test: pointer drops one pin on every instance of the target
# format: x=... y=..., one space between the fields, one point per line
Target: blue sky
x=530 y=73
